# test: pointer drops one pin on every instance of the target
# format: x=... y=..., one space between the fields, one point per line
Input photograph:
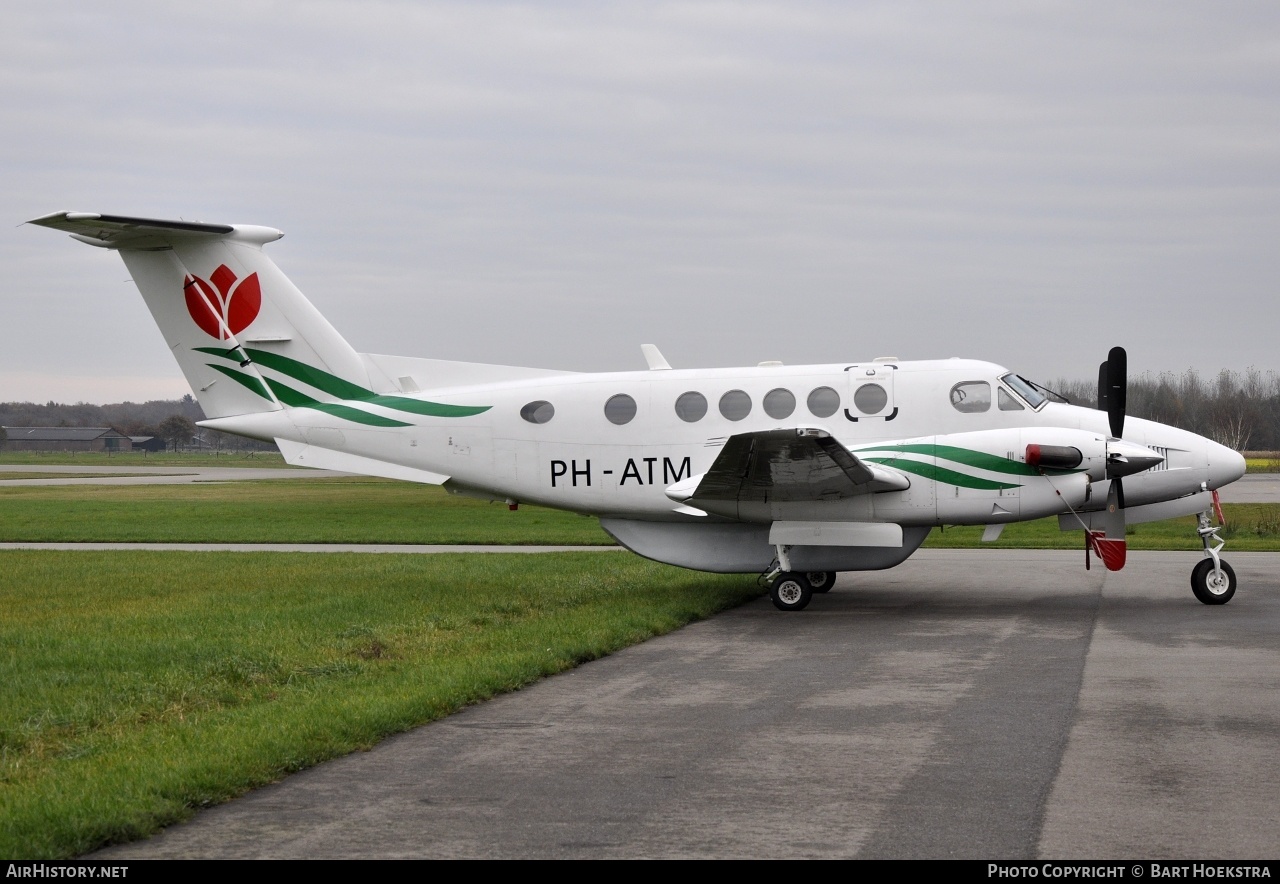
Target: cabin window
x=870 y=399
x=538 y=412
x=823 y=402
x=735 y=405
x=620 y=409
x=691 y=406
x=1007 y=402
x=779 y=403
x=971 y=397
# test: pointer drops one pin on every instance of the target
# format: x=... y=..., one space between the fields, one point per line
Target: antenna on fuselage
x=657 y=362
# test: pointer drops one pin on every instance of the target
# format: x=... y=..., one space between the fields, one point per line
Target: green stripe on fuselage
x=941 y=474
x=968 y=456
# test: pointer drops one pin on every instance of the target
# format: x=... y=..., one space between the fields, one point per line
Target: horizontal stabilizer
x=145 y=234
x=301 y=455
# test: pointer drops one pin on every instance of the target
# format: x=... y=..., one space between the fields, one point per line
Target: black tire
x=820 y=581
x=1210 y=587
x=790 y=592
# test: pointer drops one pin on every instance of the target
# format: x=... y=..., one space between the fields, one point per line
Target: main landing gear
x=792 y=590
x=1212 y=580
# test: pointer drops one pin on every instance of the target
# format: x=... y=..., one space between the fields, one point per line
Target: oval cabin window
x=779 y=403
x=620 y=409
x=735 y=405
x=538 y=412
x=691 y=406
x=870 y=399
x=971 y=397
x=823 y=402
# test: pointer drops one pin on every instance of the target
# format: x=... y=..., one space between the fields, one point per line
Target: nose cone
x=1225 y=465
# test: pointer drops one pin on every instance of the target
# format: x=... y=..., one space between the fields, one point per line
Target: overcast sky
x=554 y=184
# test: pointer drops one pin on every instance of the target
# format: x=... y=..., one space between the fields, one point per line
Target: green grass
x=337 y=510
x=147 y=459
x=355 y=510
x=1250 y=527
x=135 y=686
x=1261 y=465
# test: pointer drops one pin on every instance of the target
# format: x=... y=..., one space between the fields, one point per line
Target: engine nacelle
x=993 y=476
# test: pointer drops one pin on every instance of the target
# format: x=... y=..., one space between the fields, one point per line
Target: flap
x=793 y=465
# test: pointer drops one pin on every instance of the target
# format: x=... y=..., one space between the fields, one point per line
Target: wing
x=786 y=465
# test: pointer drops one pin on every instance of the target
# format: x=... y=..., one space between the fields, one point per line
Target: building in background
x=66 y=439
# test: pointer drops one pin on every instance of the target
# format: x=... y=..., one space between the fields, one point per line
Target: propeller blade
x=1109 y=543
x=1117 y=370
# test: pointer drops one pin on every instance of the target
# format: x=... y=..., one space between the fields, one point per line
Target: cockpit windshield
x=1026 y=389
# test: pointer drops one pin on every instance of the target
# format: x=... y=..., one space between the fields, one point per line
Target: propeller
x=1112 y=384
x=1123 y=459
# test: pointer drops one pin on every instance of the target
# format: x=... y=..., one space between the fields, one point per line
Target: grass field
x=136 y=687
x=358 y=510
x=337 y=510
x=1251 y=527
x=145 y=459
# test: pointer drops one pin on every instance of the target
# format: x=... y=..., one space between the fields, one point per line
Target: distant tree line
x=170 y=419
x=1238 y=409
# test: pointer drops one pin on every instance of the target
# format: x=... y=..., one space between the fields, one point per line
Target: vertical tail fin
x=227 y=312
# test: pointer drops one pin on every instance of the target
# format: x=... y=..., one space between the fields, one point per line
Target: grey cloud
x=552 y=183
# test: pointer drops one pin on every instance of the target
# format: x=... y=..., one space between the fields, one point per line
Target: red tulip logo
x=226 y=307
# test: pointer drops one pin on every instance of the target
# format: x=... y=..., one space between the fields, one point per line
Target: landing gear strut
x=1213 y=581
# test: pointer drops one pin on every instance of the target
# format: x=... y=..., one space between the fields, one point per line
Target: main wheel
x=820 y=581
x=790 y=592
x=1213 y=587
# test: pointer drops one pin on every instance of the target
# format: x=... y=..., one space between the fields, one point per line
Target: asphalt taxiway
x=969 y=703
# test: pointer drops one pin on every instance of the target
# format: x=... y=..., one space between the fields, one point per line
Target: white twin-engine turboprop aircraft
x=797 y=471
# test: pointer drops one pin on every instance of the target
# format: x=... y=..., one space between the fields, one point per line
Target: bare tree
x=177 y=430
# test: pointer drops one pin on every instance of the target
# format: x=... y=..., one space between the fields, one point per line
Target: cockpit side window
x=1026 y=390
x=971 y=396
x=1007 y=402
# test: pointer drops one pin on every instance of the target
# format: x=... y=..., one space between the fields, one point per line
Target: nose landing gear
x=1212 y=580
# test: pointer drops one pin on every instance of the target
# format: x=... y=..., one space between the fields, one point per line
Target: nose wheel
x=1212 y=580
x=1213 y=586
